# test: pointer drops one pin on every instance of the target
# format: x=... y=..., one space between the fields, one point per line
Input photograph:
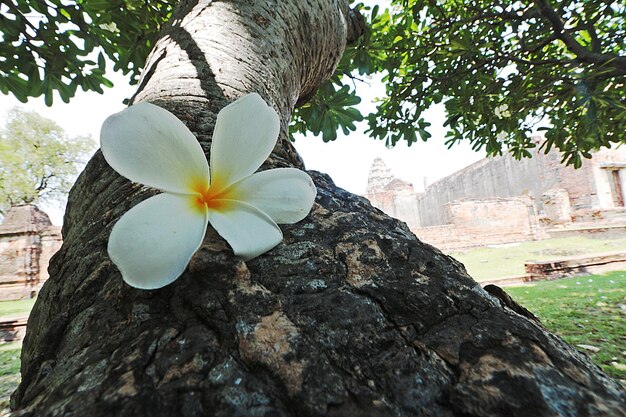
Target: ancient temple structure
x=557 y=191
x=27 y=242
x=504 y=200
x=392 y=195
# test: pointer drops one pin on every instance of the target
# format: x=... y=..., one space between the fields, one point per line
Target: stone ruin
x=27 y=242
x=503 y=200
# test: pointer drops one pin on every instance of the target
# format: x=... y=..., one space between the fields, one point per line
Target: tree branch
x=534 y=48
x=618 y=63
x=356 y=25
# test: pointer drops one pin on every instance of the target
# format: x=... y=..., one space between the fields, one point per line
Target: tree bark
x=350 y=316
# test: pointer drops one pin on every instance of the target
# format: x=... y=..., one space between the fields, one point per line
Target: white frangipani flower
x=153 y=242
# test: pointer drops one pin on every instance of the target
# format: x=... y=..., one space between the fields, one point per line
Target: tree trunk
x=350 y=316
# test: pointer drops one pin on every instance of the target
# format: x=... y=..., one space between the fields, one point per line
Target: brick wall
x=483 y=222
x=503 y=176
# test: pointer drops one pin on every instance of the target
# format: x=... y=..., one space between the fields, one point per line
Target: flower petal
x=153 y=242
x=249 y=231
x=245 y=134
x=284 y=194
x=149 y=145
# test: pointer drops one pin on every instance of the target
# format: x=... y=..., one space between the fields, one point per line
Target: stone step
x=507 y=281
x=577 y=265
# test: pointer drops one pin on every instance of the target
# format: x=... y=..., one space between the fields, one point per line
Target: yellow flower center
x=212 y=197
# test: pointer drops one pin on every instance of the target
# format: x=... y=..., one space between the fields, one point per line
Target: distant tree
x=38 y=161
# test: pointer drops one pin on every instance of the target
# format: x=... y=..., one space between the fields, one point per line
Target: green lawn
x=587 y=310
x=9 y=373
x=506 y=260
x=10 y=353
x=16 y=308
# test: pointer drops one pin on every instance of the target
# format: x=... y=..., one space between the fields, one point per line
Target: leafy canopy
x=60 y=45
x=501 y=69
x=38 y=161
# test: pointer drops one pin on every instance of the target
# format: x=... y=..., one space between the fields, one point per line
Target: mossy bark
x=350 y=316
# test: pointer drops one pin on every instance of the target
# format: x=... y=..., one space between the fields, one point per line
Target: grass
x=506 y=260
x=10 y=359
x=9 y=373
x=587 y=310
x=16 y=308
x=10 y=353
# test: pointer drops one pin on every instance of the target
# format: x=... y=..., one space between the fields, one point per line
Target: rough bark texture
x=350 y=316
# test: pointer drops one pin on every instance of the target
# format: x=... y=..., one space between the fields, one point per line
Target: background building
x=502 y=200
x=27 y=242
